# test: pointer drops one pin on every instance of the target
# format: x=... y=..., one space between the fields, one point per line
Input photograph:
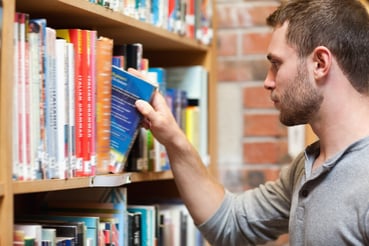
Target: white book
x=71 y=162
x=15 y=128
x=21 y=107
x=34 y=101
x=61 y=88
x=50 y=105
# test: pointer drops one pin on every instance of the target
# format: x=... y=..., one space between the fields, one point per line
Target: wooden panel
x=123 y=29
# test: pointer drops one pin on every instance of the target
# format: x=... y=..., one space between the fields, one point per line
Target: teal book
x=147 y=223
x=125 y=119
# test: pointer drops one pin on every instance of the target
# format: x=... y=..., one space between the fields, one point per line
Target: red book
x=75 y=36
x=91 y=102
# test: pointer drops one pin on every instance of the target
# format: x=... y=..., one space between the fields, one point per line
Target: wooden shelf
x=1 y=190
x=123 y=29
x=23 y=187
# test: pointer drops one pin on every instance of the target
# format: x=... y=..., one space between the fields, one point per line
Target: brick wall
x=252 y=143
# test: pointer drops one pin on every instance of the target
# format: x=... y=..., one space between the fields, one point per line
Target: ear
x=322 y=58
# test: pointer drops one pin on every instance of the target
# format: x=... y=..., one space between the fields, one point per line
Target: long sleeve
x=257 y=215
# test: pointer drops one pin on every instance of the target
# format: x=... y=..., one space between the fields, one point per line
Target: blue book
x=148 y=222
x=125 y=119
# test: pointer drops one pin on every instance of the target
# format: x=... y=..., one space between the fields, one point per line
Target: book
x=39 y=26
x=90 y=223
x=51 y=121
x=158 y=158
x=192 y=126
x=182 y=78
x=60 y=108
x=74 y=36
x=104 y=210
x=134 y=229
x=35 y=77
x=48 y=236
x=104 y=53
x=70 y=111
x=89 y=38
x=125 y=119
x=147 y=222
x=29 y=230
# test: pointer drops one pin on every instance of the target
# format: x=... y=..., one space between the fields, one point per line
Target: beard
x=300 y=100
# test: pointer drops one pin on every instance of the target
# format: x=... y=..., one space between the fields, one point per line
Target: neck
x=343 y=124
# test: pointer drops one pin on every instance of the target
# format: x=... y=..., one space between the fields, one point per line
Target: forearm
x=199 y=190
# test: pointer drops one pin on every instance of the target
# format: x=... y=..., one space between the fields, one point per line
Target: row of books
x=105 y=218
x=191 y=18
x=74 y=109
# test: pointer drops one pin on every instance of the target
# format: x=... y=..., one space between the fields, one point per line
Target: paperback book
x=125 y=119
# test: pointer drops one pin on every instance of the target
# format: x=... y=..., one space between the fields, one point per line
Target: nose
x=269 y=82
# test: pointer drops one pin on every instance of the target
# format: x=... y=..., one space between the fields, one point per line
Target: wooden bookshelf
x=163 y=48
x=107 y=22
x=113 y=180
x=1 y=190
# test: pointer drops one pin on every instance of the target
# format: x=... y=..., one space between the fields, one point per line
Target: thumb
x=144 y=108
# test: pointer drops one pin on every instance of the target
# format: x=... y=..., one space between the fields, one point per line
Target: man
x=319 y=74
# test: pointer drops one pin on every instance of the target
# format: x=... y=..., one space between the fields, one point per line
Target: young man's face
x=288 y=79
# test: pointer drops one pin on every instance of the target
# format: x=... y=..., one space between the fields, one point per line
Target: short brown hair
x=340 y=25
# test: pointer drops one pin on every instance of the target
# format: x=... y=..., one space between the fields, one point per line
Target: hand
x=158 y=116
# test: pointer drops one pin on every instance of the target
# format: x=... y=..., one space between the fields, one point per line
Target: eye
x=275 y=65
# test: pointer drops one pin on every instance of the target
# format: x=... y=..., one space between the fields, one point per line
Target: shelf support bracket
x=110 y=180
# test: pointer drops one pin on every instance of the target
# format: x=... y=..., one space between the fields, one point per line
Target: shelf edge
x=111 y=180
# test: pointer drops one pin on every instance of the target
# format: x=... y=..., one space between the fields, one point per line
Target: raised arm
x=201 y=193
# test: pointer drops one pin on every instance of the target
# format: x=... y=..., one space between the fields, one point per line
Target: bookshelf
x=161 y=47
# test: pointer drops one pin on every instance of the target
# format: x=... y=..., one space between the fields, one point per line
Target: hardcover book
x=125 y=119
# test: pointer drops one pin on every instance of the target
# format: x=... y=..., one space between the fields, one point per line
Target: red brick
x=257 y=97
x=242 y=70
x=263 y=125
x=227 y=43
x=265 y=152
x=238 y=15
x=255 y=43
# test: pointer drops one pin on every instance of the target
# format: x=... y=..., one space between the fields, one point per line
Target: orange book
x=104 y=51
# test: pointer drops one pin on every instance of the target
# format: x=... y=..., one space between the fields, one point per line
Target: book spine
x=71 y=152
x=22 y=158
x=51 y=118
x=74 y=36
x=61 y=88
x=103 y=103
x=91 y=101
x=39 y=26
x=15 y=129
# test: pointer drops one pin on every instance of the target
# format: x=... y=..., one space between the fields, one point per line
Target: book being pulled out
x=125 y=119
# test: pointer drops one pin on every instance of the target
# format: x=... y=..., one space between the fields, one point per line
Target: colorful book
x=125 y=119
x=74 y=36
x=183 y=78
x=147 y=222
x=39 y=26
x=29 y=231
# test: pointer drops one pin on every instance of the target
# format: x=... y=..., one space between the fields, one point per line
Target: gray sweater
x=326 y=207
